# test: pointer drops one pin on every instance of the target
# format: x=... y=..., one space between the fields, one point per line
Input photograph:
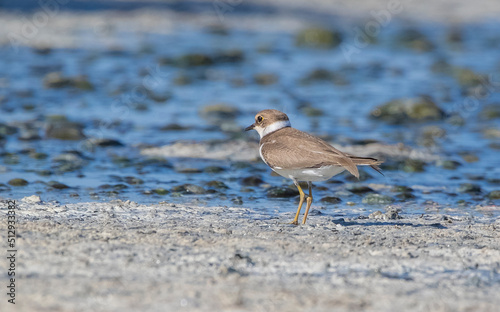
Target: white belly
x=310 y=174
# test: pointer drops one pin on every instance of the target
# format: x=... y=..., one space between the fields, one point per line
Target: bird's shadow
x=342 y=222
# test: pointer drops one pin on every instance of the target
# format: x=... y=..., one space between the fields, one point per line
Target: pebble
x=133 y=180
x=33 y=199
x=214 y=169
x=448 y=164
x=252 y=181
x=391 y=214
x=57 y=80
x=377 y=199
x=18 y=182
x=189 y=189
x=319 y=38
x=64 y=130
x=217 y=184
x=494 y=194
x=359 y=189
x=469 y=188
x=161 y=191
x=281 y=192
x=331 y=200
x=405 y=110
x=57 y=185
x=401 y=188
x=467 y=77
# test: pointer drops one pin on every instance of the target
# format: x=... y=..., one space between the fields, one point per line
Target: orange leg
x=302 y=195
x=309 y=202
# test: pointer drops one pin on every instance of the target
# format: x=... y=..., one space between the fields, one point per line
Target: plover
x=300 y=156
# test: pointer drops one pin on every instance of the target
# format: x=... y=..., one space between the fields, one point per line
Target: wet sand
x=122 y=256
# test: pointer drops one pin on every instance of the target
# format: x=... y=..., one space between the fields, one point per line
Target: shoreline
x=125 y=256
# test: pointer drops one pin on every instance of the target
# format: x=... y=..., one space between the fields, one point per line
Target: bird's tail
x=367 y=161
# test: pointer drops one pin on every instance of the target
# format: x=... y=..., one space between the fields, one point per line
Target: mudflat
x=123 y=256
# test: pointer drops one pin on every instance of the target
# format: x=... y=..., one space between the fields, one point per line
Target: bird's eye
x=260 y=118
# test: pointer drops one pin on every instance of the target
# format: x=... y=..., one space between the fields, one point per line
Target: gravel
x=122 y=256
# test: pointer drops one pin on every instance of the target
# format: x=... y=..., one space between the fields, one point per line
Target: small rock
x=237 y=200
x=6 y=130
x=10 y=159
x=188 y=170
x=330 y=200
x=430 y=136
x=405 y=196
x=174 y=127
x=217 y=184
x=491 y=133
x=468 y=78
x=376 y=215
x=103 y=142
x=401 y=111
x=401 y=188
x=189 y=189
x=57 y=185
x=281 y=192
x=377 y=199
x=161 y=191
x=70 y=161
x=252 y=181
x=121 y=161
x=413 y=165
x=489 y=112
x=44 y=173
x=133 y=180
x=28 y=132
x=494 y=194
x=469 y=157
x=193 y=60
x=57 y=80
x=391 y=214
x=358 y=189
x=33 y=199
x=213 y=169
x=64 y=130
x=469 y=188
x=448 y=164
x=18 y=182
x=318 y=38
x=35 y=155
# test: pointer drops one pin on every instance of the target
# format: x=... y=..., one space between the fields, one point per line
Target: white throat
x=273 y=127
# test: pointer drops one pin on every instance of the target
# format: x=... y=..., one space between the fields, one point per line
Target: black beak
x=250 y=127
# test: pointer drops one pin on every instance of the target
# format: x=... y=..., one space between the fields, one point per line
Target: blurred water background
x=135 y=100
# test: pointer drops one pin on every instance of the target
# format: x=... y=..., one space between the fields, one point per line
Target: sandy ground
x=122 y=256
